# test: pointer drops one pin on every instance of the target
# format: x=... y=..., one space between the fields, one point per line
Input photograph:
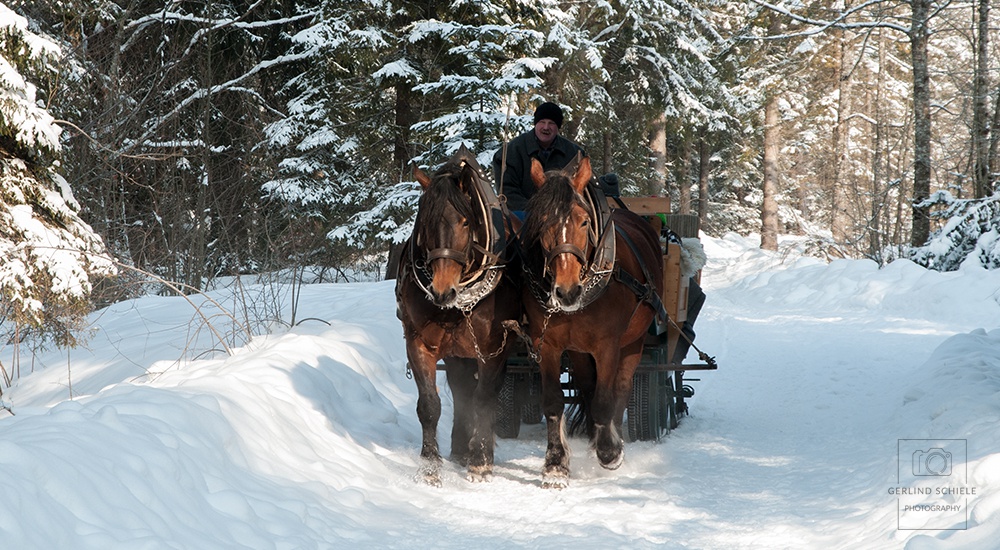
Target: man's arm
x=512 y=177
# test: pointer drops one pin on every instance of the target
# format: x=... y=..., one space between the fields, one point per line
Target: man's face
x=546 y=131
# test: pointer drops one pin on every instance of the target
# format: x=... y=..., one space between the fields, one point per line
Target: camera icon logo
x=935 y=461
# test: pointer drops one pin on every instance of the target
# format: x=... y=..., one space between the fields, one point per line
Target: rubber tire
x=531 y=411
x=648 y=407
x=508 y=421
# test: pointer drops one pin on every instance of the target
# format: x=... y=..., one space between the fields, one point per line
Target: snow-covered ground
x=842 y=390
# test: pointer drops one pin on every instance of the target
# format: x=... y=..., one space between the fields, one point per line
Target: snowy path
x=789 y=442
x=308 y=439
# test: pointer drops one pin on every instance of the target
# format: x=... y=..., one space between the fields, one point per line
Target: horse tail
x=580 y=421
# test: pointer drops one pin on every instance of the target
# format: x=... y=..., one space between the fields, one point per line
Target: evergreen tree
x=50 y=256
x=434 y=76
x=170 y=101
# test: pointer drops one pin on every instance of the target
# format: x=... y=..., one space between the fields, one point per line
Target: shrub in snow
x=971 y=232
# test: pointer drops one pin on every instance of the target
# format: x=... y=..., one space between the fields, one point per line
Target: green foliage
x=970 y=232
x=49 y=254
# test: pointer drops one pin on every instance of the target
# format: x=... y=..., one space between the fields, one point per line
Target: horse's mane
x=443 y=191
x=551 y=204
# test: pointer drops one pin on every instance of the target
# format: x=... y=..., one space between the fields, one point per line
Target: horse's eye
x=586 y=223
x=465 y=222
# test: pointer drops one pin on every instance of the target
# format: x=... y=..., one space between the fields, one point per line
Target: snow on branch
x=820 y=26
x=971 y=233
x=231 y=85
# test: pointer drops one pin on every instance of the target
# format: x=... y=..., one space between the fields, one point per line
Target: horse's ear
x=466 y=180
x=537 y=173
x=462 y=153
x=583 y=173
x=424 y=180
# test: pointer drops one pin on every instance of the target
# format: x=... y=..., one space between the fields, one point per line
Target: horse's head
x=559 y=224
x=445 y=228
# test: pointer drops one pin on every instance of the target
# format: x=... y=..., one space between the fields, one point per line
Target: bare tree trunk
x=196 y=256
x=879 y=156
x=921 y=123
x=994 y=154
x=658 y=145
x=402 y=152
x=902 y=222
x=769 y=207
x=840 y=218
x=982 y=185
x=607 y=154
x=684 y=174
x=704 y=168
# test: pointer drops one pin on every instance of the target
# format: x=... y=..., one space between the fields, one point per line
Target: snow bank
x=308 y=437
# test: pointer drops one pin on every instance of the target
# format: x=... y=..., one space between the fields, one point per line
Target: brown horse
x=454 y=293
x=592 y=289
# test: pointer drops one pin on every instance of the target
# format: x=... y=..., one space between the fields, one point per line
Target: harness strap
x=645 y=291
x=565 y=248
x=448 y=254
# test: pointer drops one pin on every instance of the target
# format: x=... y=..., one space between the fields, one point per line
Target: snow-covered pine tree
x=971 y=232
x=453 y=69
x=431 y=77
x=50 y=256
x=625 y=66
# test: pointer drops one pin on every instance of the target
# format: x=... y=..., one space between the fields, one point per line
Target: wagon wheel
x=648 y=406
x=508 y=423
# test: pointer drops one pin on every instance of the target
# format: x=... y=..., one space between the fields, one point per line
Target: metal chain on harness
x=475 y=341
x=535 y=354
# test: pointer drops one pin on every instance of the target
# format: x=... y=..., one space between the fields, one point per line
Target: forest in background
x=206 y=139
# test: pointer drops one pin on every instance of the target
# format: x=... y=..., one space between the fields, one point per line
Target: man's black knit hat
x=549 y=111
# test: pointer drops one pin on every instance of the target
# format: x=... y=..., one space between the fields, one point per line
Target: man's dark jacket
x=517 y=184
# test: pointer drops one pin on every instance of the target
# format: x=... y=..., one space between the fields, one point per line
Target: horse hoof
x=554 y=482
x=431 y=479
x=479 y=478
x=430 y=473
x=482 y=473
x=611 y=461
x=555 y=477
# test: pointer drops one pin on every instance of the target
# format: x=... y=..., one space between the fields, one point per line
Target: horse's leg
x=423 y=364
x=614 y=370
x=631 y=355
x=555 y=472
x=484 y=402
x=462 y=381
